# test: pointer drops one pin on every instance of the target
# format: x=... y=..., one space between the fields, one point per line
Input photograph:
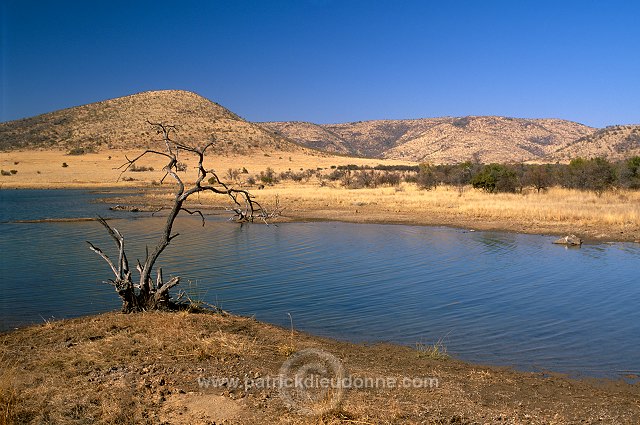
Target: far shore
x=372 y=213
x=612 y=217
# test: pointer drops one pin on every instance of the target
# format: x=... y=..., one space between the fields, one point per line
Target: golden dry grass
x=43 y=168
x=614 y=215
x=9 y=397
x=144 y=368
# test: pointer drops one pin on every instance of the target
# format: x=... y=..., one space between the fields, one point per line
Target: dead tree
x=147 y=293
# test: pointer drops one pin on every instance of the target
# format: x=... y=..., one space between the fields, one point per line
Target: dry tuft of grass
x=436 y=351
x=9 y=396
x=230 y=343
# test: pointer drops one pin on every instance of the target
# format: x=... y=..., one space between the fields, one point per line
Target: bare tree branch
x=153 y=295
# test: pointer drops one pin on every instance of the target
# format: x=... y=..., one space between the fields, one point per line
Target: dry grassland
x=614 y=216
x=44 y=169
x=144 y=369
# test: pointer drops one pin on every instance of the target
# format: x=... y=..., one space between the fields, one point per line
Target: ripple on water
x=492 y=297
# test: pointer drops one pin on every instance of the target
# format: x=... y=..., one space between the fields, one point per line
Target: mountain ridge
x=121 y=123
x=441 y=139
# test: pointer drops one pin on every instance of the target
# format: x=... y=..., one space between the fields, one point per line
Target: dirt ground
x=155 y=367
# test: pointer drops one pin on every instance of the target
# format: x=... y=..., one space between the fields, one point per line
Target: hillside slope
x=311 y=135
x=122 y=123
x=491 y=139
x=614 y=142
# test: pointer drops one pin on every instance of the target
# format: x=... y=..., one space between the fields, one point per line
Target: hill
x=122 y=123
x=614 y=142
x=437 y=140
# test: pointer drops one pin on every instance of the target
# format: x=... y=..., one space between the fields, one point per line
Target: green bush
x=496 y=178
x=268 y=176
x=426 y=178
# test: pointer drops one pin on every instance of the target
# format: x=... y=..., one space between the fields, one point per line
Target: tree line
x=595 y=174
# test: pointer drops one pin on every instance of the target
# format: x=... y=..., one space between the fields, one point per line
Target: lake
x=491 y=297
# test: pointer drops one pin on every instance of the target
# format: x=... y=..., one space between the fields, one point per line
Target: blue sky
x=330 y=60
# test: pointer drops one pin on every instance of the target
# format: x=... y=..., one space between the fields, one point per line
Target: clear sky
x=330 y=60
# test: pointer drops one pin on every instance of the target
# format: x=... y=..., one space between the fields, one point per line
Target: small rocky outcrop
x=569 y=240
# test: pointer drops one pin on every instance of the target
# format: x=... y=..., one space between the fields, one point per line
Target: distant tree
x=388 y=178
x=597 y=175
x=575 y=175
x=268 y=176
x=540 y=177
x=601 y=175
x=363 y=179
x=629 y=174
x=496 y=178
x=427 y=177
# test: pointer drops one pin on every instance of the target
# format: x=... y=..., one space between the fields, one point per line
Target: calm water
x=497 y=298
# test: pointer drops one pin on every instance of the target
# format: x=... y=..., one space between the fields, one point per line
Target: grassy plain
x=611 y=217
x=614 y=216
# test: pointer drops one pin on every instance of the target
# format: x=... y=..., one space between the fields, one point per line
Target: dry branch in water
x=148 y=294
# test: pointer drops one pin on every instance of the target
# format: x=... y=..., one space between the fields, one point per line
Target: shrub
x=426 y=178
x=595 y=174
x=388 y=178
x=80 y=151
x=65 y=165
x=268 y=176
x=360 y=179
x=13 y=171
x=496 y=178
x=296 y=177
x=336 y=175
x=139 y=168
x=5 y=173
x=540 y=177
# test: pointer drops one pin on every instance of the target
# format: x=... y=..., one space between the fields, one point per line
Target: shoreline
x=157 y=362
x=152 y=197
x=610 y=217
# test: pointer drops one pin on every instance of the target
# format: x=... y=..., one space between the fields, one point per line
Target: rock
x=570 y=240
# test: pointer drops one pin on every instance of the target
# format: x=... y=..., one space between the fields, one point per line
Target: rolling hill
x=440 y=140
x=121 y=123
x=614 y=142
